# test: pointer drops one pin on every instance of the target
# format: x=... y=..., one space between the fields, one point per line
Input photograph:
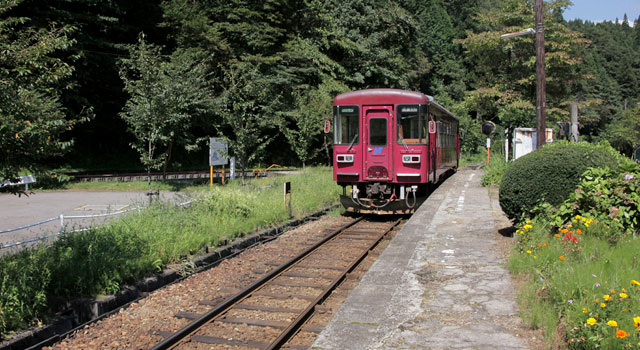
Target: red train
x=390 y=148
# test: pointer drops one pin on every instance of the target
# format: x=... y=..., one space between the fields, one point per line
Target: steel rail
x=306 y=314
x=173 y=340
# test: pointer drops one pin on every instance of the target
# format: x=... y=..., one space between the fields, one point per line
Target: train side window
x=347 y=125
x=378 y=132
x=411 y=128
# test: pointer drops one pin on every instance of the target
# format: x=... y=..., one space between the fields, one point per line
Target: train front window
x=347 y=125
x=412 y=125
x=378 y=132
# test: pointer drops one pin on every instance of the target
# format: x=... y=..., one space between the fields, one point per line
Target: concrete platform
x=440 y=284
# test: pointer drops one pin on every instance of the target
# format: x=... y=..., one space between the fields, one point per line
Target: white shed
x=525 y=141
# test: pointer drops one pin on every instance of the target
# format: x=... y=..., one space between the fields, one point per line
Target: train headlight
x=411 y=159
x=344 y=158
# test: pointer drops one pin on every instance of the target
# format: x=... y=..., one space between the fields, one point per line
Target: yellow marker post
x=223 y=174
x=210 y=175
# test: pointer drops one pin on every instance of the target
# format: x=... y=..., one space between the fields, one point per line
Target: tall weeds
x=102 y=259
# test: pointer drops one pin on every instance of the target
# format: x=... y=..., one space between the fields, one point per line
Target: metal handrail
x=62 y=217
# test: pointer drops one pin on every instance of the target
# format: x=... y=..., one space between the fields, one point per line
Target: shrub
x=550 y=174
x=611 y=197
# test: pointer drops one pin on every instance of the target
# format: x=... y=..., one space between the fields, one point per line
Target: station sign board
x=218 y=151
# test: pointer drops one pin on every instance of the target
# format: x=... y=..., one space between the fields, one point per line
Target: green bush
x=550 y=174
x=612 y=198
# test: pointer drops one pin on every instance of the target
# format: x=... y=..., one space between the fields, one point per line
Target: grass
x=493 y=171
x=472 y=158
x=141 y=242
x=577 y=276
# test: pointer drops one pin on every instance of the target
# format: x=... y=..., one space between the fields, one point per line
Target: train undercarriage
x=383 y=197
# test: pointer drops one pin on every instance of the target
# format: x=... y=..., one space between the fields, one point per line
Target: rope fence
x=62 y=219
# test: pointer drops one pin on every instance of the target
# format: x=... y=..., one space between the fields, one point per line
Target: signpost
x=287 y=190
x=218 y=155
x=488 y=128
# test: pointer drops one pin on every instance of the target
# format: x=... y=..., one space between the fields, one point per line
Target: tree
x=505 y=75
x=166 y=96
x=32 y=78
x=246 y=117
x=311 y=110
x=624 y=132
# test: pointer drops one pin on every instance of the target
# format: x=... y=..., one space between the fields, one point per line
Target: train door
x=433 y=147
x=377 y=142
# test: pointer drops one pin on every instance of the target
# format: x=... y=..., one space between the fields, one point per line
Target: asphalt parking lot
x=18 y=211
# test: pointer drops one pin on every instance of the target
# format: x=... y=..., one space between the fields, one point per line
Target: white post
x=506 y=145
x=61 y=222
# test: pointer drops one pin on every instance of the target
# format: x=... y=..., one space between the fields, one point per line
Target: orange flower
x=557 y=234
x=539 y=245
x=621 y=334
x=579 y=231
x=561 y=257
x=544 y=245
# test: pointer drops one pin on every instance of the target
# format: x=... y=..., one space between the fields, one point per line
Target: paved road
x=440 y=284
x=25 y=210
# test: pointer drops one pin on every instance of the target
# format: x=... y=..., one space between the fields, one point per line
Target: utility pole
x=541 y=113
x=541 y=87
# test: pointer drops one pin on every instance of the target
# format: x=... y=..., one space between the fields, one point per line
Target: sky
x=603 y=10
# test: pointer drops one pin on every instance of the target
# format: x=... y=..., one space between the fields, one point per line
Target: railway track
x=274 y=310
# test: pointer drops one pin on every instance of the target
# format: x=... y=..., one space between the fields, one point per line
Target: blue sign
x=377 y=151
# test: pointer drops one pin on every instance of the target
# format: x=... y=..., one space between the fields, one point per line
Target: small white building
x=525 y=141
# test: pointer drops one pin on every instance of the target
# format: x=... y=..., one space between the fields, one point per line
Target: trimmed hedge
x=550 y=174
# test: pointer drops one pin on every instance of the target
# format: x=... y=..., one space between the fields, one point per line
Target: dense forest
x=107 y=85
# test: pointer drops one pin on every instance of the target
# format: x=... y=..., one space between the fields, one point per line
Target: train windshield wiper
x=406 y=148
x=352 y=141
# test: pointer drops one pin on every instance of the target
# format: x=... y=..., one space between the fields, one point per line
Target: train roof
x=386 y=96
